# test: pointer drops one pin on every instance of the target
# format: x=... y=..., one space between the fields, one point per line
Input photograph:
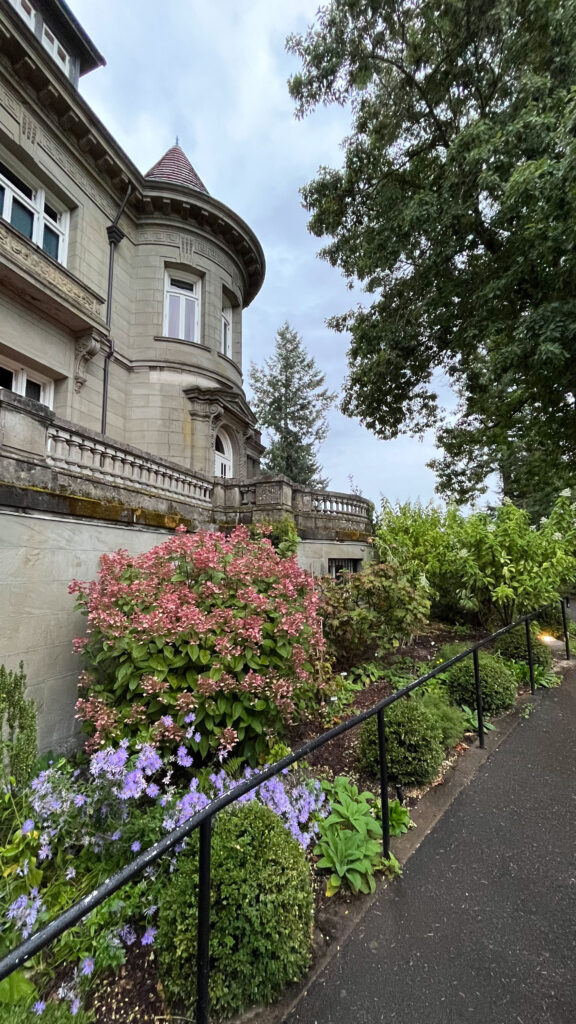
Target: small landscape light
x=546 y=638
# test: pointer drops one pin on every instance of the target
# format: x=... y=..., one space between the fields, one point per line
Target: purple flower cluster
x=24 y=911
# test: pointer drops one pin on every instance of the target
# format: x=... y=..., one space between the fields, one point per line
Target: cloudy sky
x=214 y=74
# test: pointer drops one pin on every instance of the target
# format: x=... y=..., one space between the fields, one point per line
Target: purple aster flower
x=152 y=790
x=27 y=827
x=39 y=1007
x=70 y=874
x=197 y=737
x=183 y=757
x=79 y=799
x=148 y=937
x=149 y=761
x=135 y=846
x=190 y=718
x=74 y=1006
x=87 y=966
x=116 y=835
x=45 y=852
x=127 y=934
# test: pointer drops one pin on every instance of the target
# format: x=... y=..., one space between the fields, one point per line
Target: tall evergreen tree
x=456 y=208
x=291 y=402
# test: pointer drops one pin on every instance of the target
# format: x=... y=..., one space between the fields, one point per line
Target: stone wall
x=39 y=556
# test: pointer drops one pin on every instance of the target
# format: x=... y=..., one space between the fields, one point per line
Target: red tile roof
x=175 y=166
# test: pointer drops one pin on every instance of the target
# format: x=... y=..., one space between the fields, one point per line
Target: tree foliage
x=291 y=402
x=455 y=208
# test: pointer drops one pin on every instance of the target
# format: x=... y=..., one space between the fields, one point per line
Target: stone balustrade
x=103 y=461
x=332 y=503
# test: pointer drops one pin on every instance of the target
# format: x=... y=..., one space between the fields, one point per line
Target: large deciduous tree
x=291 y=402
x=456 y=209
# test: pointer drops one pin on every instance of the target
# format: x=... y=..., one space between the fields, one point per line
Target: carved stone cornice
x=87 y=346
x=24 y=266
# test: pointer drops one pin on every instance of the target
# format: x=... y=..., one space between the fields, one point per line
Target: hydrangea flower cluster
x=223 y=617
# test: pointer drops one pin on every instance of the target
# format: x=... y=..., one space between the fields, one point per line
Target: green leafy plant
x=413 y=743
x=376 y=609
x=513 y=647
x=261 y=910
x=365 y=674
x=542 y=677
x=349 y=839
x=392 y=867
x=471 y=720
x=398 y=818
x=18 y=723
x=497 y=681
x=281 y=532
x=449 y=717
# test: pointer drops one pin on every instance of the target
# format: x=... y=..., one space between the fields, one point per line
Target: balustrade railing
x=106 y=462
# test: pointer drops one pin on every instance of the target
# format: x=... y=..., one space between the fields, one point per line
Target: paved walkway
x=482 y=927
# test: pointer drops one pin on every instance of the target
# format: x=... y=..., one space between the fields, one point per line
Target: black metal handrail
x=203 y=819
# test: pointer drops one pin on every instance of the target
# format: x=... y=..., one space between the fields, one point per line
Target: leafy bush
x=218 y=631
x=494 y=564
x=261 y=913
x=413 y=743
x=349 y=844
x=371 y=611
x=498 y=683
x=451 y=720
x=18 y=722
x=513 y=647
x=282 y=533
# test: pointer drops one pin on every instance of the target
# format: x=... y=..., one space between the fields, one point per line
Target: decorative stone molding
x=30 y=259
x=87 y=345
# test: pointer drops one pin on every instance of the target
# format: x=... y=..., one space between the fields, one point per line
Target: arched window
x=223 y=455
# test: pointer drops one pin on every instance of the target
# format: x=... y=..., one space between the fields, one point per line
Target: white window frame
x=190 y=292
x=29 y=16
x=226 y=341
x=21 y=374
x=55 y=48
x=37 y=207
x=223 y=461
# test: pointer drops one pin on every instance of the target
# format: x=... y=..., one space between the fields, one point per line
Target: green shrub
x=498 y=684
x=512 y=646
x=261 y=913
x=281 y=532
x=18 y=721
x=371 y=611
x=450 y=718
x=414 y=743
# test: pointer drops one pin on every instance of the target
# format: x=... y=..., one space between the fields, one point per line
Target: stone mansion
x=122 y=410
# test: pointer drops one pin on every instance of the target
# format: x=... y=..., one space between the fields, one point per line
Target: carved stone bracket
x=87 y=345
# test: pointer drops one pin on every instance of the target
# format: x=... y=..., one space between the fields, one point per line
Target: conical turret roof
x=175 y=167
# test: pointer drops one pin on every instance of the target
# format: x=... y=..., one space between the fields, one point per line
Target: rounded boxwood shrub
x=450 y=718
x=498 y=683
x=261 y=914
x=513 y=647
x=413 y=743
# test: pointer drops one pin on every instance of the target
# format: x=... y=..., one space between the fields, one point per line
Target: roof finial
x=177 y=141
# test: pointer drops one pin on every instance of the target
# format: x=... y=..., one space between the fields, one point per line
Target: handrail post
x=565 y=628
x=203 y=952
x=384 y=784
x=530 y=657
x=479 y=709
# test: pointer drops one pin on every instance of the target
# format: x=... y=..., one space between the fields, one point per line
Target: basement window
x=26 y=382
x=340 y=565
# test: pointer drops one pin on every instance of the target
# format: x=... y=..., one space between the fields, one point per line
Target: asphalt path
x=481 y=929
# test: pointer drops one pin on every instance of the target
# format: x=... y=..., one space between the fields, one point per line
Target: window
x=26 y=10
x=26 y=382
x=338 y=565
x=227 y=331
x=182 y=308
x=28 y=210
x=54 y=47
x=223 y=455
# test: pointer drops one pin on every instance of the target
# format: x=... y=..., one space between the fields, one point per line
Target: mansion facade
x=122 y=409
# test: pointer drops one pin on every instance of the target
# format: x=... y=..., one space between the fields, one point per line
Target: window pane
x=173 y=316
x=51 y=212
x=51 y=242
x=189 y=319
x=6 y=378
x=187 y=286
x=16 y=181
x=33 y=390
x=22 y=219
x=2 y=194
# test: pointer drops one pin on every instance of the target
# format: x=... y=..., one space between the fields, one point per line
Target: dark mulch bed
x=133 y=994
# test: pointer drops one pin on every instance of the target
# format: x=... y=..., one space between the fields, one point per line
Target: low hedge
x=498 y=683
x=261 y=914
x=513 y=647
x=450 y=718
x=414 y=745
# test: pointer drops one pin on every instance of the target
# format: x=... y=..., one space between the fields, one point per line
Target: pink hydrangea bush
x=207 y=639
